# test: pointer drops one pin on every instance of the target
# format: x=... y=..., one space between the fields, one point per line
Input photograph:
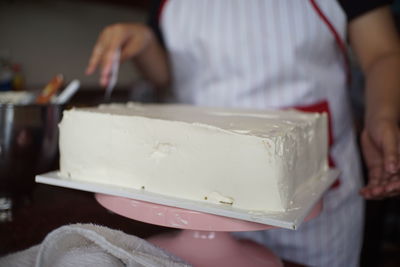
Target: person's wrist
x=385 y=114
x=149 y=38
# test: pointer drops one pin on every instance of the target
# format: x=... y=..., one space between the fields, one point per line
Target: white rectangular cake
x=247 y=159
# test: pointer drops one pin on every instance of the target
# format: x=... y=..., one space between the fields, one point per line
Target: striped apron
x=275 y=54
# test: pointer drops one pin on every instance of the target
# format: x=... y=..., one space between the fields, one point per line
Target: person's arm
x=137 y=42
x=375 y=41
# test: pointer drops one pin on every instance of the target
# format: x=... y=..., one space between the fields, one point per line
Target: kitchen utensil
x=67 y=93
x=113 y=75
x=50 y=90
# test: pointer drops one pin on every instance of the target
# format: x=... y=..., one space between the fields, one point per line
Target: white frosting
x=248 y=159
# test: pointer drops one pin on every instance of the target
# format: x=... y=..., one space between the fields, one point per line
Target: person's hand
x=380 y=142
x=131 y=38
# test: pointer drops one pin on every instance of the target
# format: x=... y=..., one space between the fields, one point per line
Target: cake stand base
x=209 y=249
x=205 y=239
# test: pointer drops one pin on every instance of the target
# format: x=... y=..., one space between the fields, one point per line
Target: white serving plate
x=291 y=219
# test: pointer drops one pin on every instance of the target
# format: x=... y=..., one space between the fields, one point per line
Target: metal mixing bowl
x=28 y=145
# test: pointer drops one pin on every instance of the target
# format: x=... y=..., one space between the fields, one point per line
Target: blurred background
x=46 y=37
x=41 y=38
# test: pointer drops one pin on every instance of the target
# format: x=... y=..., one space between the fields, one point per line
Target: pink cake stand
x=206 y=239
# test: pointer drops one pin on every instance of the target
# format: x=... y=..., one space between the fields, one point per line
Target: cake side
x=253 y=168
x=304 y=151
x=171 y=158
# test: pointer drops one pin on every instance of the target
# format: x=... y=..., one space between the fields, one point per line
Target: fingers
x=107 y=63
x=98 y=52
x=94 y=59
x=390 y=145
x=393 y=186
x=381 y=147
x=110 y=40
x=375 y=185
x=373 y=159
x=372 y=154
x=388 y=187
x=131 y=39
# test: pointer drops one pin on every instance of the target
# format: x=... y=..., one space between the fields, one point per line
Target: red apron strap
x=339 y=41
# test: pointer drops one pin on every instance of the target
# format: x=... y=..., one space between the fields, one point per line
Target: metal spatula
x=113 y=76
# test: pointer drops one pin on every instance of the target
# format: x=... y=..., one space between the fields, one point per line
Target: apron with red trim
x=267 y=54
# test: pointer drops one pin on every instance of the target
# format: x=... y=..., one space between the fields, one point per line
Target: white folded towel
x=91 y=245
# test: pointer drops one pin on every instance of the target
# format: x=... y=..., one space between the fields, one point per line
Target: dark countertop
x=50 y=207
